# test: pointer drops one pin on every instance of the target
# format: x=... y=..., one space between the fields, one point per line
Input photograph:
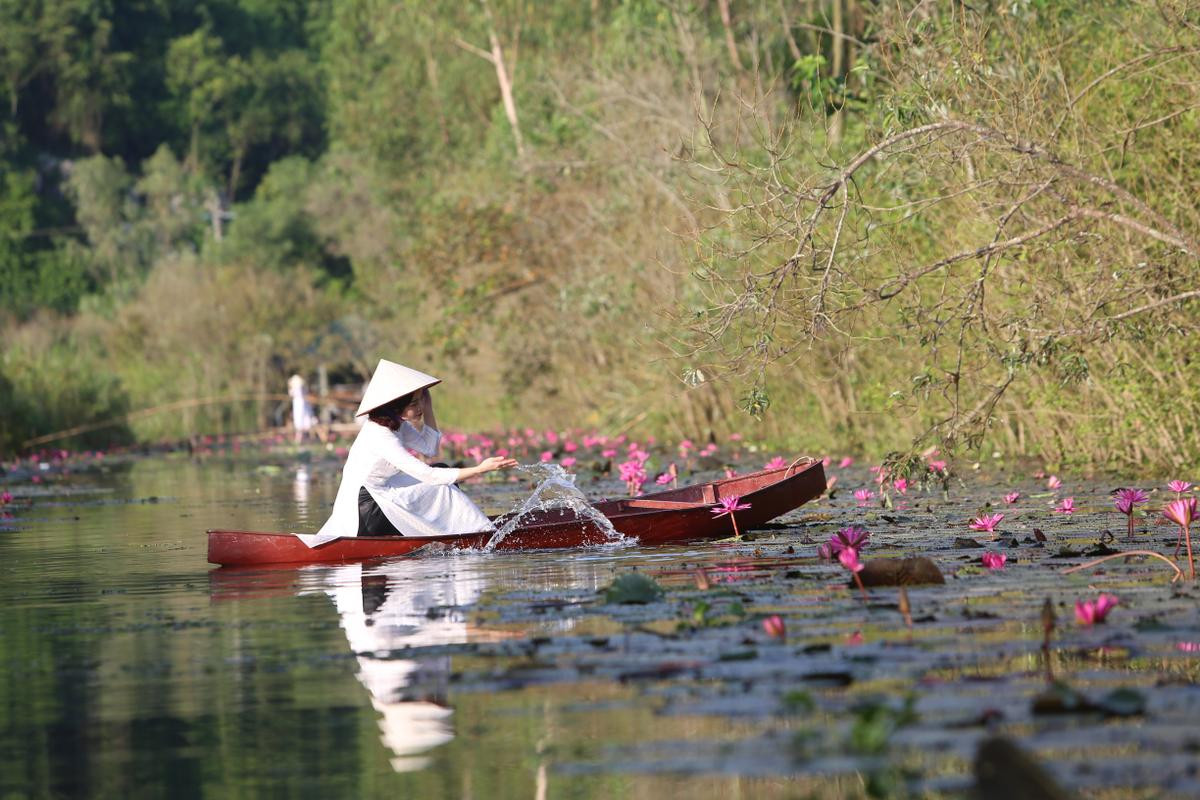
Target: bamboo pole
x=178 y=405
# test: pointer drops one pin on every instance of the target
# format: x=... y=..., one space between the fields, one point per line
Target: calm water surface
x=132 y=668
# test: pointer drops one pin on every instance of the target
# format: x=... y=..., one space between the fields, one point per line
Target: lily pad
x=1123 y=703
x=633 y=588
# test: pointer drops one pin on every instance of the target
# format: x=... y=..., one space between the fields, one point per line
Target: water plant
x=1049 y=621
x=1053 y=482
x=849 y=559
x=1012 y=497
x=1065 y=506
x=633 y=473
x=5 y=498
x=852 y=537
x=1093 y=612
x=905 y=608
x=1183 y=512
x=633 y=588
x=775 y=627
x=987 y=522
x=863 y=496
x=1178 y=487
x=1127 y=501
x=993 y=561
x=728 y=505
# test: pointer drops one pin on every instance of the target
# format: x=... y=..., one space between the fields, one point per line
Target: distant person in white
x=303 y=417
x=385 y=489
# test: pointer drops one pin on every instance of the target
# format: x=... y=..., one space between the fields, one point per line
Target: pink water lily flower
x=1183 y=512
x=993 y=560
x=986 y=522
x=852 y=537
x=849 y=560
x=1066 y=506
x=567 y=462
x=774 y=627
x=664 y=479
x=1092 y=612
x=937 y=467
x=863 y=495
x=5 y=498
x=1053 y=482
x=728 y=505
x=1127 y=500
x=1012 y=497
x=846 y=462
x=547 y=456
x=1179 y=487
x=778 y=462
x=901 y=485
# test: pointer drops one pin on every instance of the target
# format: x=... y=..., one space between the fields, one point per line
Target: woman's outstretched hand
x=487 y=465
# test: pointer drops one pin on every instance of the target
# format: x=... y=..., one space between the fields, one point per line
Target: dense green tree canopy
x=704 y=204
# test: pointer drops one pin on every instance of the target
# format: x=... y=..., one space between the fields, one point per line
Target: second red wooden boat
x=675 y=515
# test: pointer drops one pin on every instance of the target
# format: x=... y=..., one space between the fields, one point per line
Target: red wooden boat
x=676 y=515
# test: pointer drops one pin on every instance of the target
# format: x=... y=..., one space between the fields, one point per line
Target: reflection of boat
x=672 y=516
x=387 y=609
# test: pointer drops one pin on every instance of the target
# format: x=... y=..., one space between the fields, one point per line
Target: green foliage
x=876 y=722
x=275 y=229
x=633 y=588
x=168 y=169
x=49 y=380
x=32 y=276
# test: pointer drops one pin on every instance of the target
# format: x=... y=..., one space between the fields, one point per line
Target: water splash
x=556 y=492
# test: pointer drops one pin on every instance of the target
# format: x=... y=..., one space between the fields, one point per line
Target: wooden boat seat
x=635 y=503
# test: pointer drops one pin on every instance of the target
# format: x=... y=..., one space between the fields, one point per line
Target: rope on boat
x=806 y=459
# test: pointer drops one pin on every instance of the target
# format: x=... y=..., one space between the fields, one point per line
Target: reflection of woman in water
x=385 y=489
x=386 y=609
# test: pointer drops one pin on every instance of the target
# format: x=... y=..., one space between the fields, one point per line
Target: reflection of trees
x=403 y=605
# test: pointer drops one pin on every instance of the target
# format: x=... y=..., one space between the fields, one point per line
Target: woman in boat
x=385 y=489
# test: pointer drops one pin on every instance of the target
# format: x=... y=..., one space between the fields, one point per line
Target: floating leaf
x=631 y=588
x=1123 y=703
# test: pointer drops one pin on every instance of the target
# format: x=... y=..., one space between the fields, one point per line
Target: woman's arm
x=487 y=465
x=389 y=447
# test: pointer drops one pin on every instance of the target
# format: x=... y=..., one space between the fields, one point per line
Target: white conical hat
x=390 y=381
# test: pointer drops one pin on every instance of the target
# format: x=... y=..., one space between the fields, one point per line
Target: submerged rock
x=1004 y=771
x=900 y=572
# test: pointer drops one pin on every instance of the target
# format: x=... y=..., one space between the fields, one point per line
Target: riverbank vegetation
x=829 y=224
